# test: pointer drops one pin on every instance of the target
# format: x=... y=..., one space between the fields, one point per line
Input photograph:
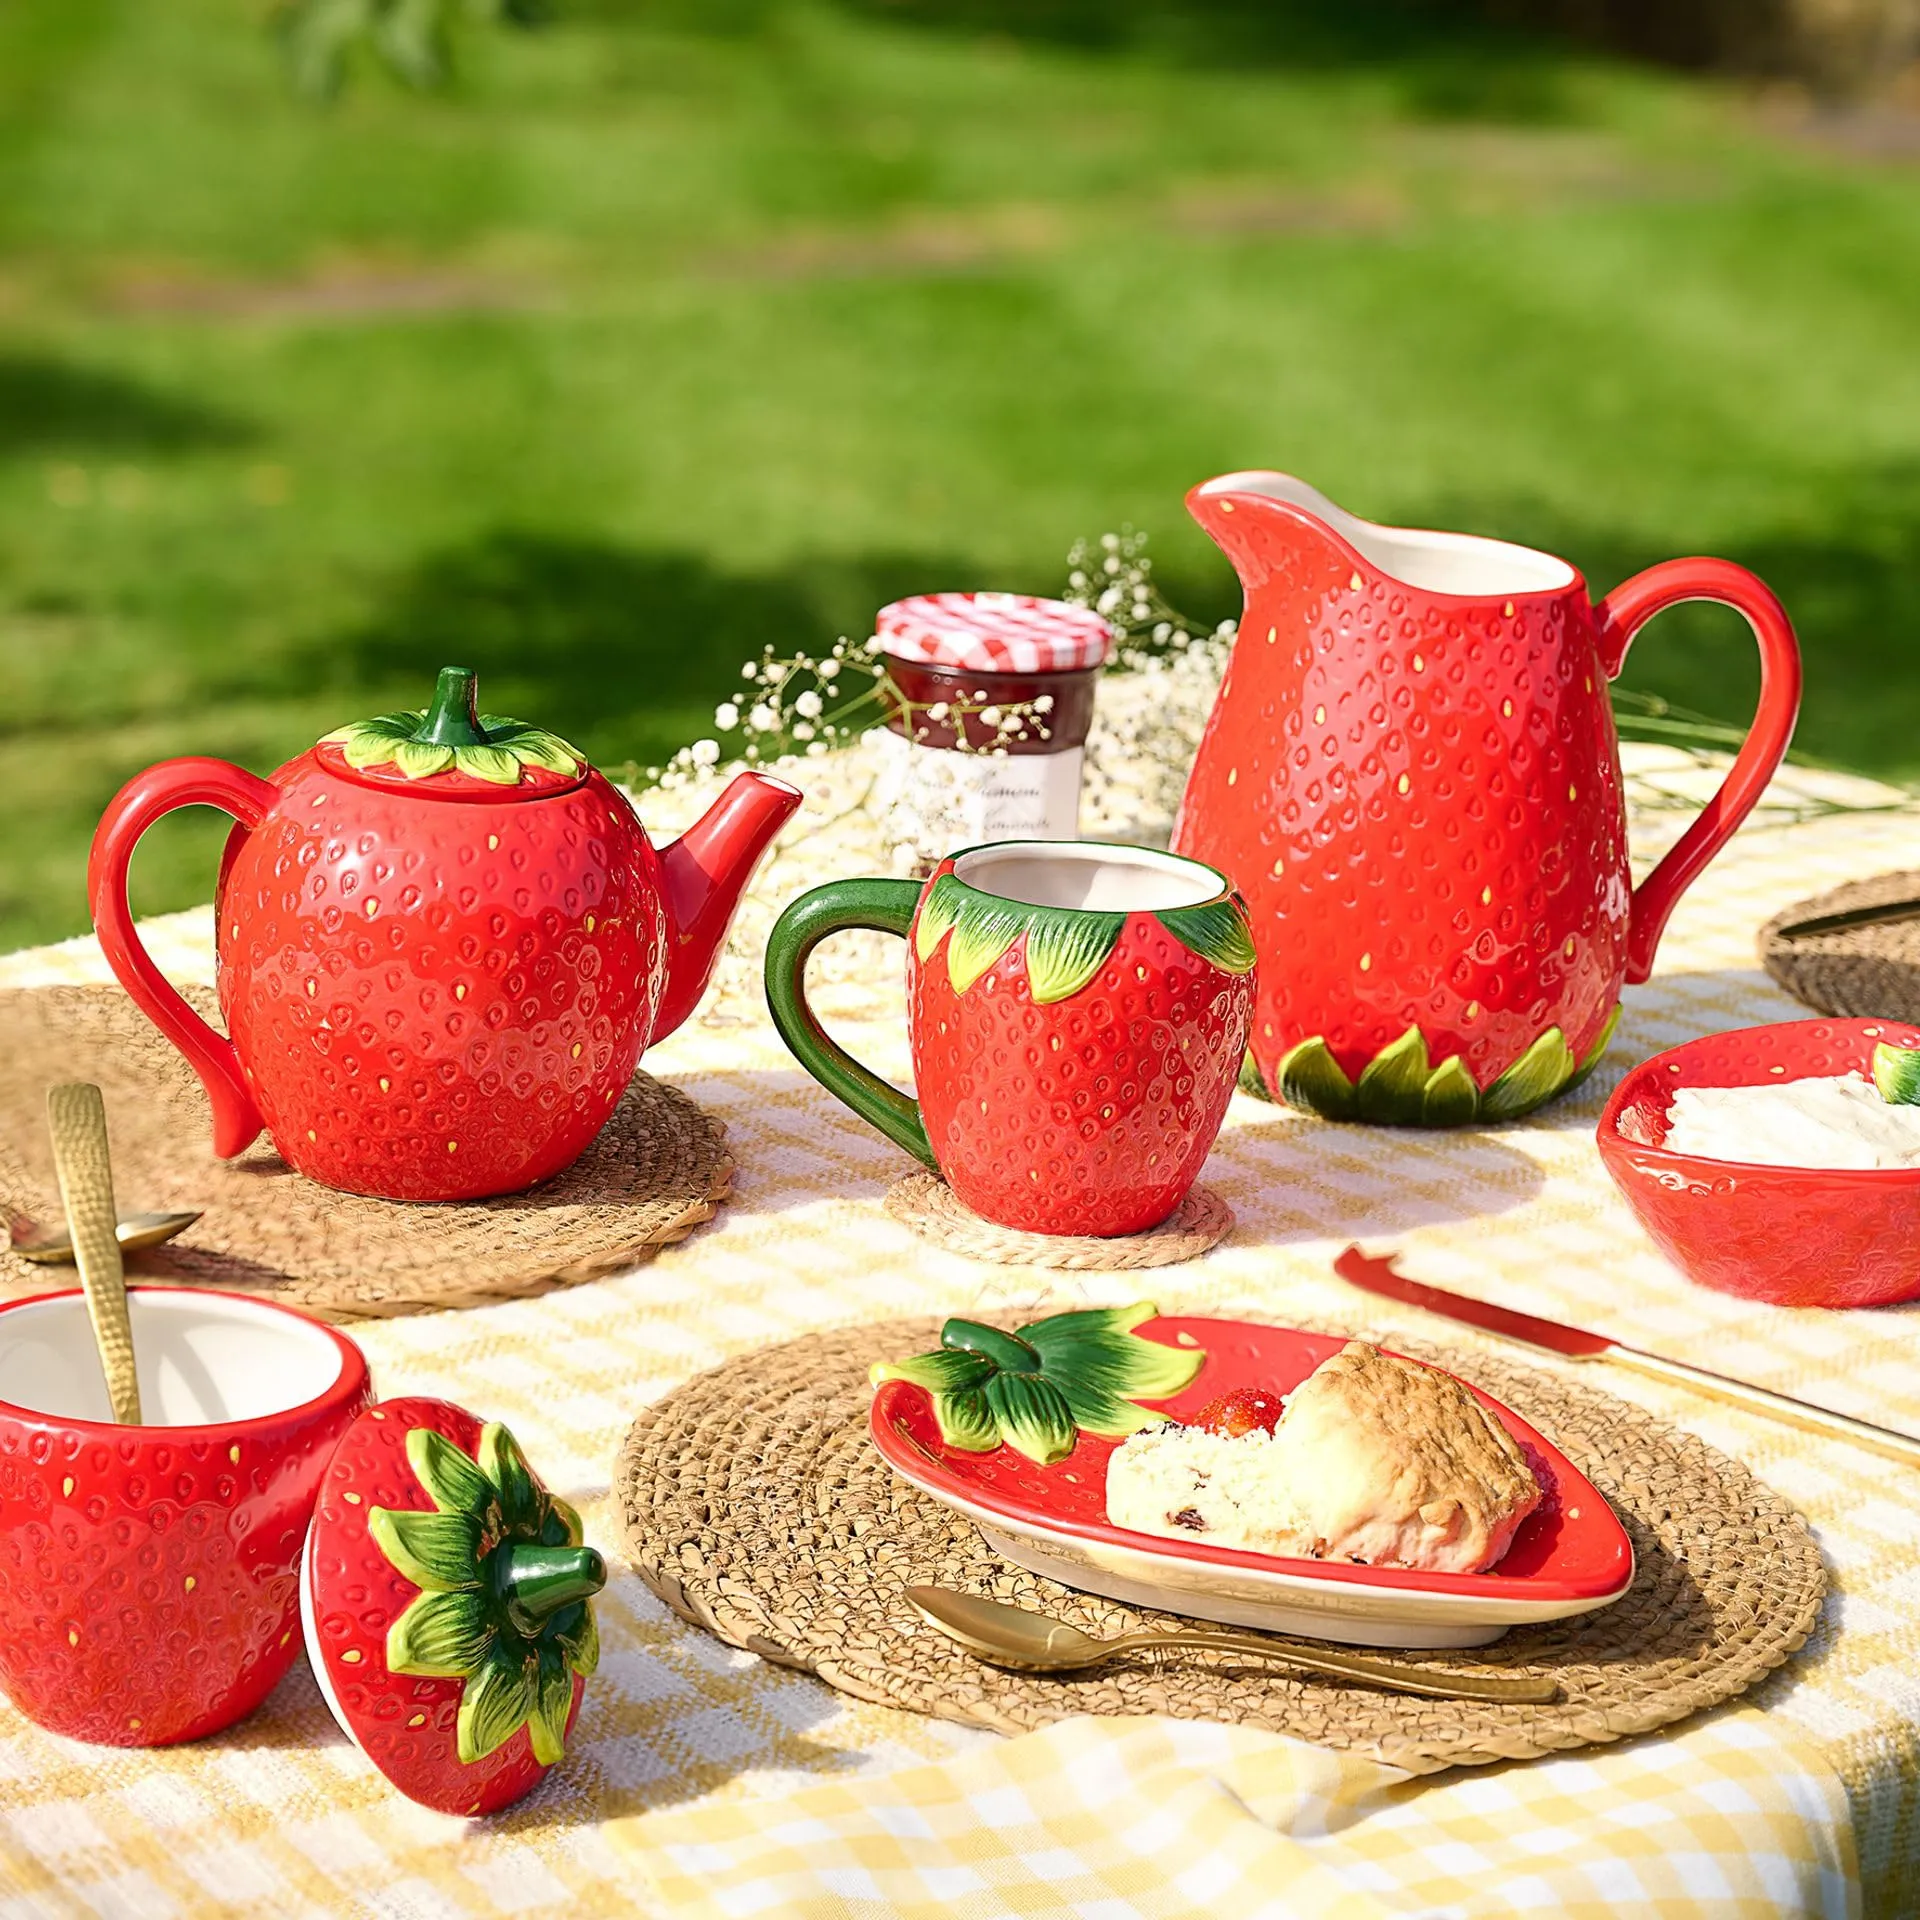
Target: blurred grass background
x=678 y=327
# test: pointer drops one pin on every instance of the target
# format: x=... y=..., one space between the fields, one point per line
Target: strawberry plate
x=1571 y=1555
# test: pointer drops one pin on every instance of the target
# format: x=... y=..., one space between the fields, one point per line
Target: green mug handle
x=881 y=906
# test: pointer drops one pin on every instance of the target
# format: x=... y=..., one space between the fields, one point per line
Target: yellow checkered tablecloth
x=702 y=1781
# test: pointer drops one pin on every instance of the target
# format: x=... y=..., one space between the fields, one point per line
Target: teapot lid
x=446 y=1598
x=453 y=751
x=994 y=633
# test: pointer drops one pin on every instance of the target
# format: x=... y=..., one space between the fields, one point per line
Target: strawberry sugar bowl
x=157 y=1580
x=1780 y=1163
x=149 y=1574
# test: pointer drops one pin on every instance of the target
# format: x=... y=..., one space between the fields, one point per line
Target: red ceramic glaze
x=436 y=988
x=1418 y=789
x=1792 y=1236
x=149 y=1576
x=404 y=1723
x=1093 y=1114
x=1571 y=1548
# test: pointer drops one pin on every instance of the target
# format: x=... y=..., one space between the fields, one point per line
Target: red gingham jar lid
x=994 y=633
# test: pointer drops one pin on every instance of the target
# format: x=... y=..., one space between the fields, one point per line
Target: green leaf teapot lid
x=449 y=748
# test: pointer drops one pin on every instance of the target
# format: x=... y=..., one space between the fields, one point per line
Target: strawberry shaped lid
x=452 y=750
x=994 y=633
x=446 y=1597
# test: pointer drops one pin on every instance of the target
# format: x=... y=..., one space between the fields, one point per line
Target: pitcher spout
x=705 y=873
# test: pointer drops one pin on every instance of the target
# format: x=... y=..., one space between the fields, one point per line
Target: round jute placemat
x=924 y=1202
x=755 y=1506
x=658 y=1169
x=1855 y=971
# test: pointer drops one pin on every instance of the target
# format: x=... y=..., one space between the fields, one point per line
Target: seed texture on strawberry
x=447 y=1606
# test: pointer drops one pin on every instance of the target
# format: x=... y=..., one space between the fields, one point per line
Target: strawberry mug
x=1412 y=775
x=149 y=1575
x=1076 y=1015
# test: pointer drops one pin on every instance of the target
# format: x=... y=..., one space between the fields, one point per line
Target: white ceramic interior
x=202 y=1359
x=1080 y=873
x=1457 y=563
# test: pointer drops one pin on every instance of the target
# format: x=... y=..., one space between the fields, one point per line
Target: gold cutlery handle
x=1779 y=1406
x=77 y=1119
x=1508 y=1689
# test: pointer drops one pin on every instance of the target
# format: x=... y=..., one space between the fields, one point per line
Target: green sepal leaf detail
x=580 y=1639
x=488 y=763
x=561 y=1526
x=1094 y=1369
x=501 y=1461
x=1250 y=1079
x=967 y=1419
x=1008 y=1352
x=1311 y=1079
x=438 y=1552
x=1033 y=1416
x=552 y=1702
x=1896 y=1072
x=443 y=1635
x=418 y=759
x=1217 y=932
x=532 y=746
x=494 y=1704
x=1392 y=1087
x=1450 y=1098
x=980 y=937
x=947 y=1370
x=1101 y=1366
x=1065 y=951
x=938 y=912
x=1541 y=1072
x=455 y=1483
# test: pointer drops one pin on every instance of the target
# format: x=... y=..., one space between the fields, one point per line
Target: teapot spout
x=705 y=872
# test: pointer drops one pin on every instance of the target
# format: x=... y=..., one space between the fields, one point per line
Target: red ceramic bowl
x=1792 y=1236
x=149 y=1576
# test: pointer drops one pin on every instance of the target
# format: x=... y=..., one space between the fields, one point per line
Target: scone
x=1375 y=1460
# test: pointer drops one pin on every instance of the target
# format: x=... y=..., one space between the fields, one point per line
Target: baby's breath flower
x=1043 y=703
x=808 y=705
x=830 y=669
x=706 y=753
x=726 y=716
x=763 y=718
x=989 y=716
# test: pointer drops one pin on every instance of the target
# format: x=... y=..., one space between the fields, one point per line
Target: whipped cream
x=1839 y=1121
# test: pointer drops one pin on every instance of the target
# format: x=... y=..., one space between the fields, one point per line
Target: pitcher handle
x=883 y=906
x=174 y=783
x=1620 y=616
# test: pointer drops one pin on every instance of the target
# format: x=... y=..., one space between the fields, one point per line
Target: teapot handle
x=1620 y=616
x=174 y=783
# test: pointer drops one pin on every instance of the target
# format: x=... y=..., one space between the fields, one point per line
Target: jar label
x=936 y=799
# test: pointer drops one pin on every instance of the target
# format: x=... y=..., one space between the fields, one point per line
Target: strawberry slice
x=445 y=1601
x=1245 y=1410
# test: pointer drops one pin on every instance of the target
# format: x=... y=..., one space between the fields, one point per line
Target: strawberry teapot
x=443 y=940
x=1411 y=774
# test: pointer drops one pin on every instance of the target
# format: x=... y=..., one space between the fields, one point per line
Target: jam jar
x=990 y=696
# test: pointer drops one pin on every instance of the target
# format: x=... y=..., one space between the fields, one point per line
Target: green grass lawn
x=675 y=329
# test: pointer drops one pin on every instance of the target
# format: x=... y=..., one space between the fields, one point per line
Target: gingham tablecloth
x=702 y=1781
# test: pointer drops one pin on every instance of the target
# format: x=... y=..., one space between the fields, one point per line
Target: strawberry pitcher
x=1412 y=776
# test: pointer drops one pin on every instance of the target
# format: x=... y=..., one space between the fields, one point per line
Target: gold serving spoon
x=1006 y=1636
x=51 y=1245
x=77 y=1119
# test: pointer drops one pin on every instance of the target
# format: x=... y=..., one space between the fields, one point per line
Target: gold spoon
x=1006 y=1636
x=77 y=1119
x=52 y=1246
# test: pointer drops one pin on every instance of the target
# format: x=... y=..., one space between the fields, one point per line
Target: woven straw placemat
x=1856 y=971
x=755 y=1506
x=658 y=1169
x=924 y=1202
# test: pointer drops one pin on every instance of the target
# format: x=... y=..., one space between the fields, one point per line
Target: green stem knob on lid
x=536 y=1582
x=453 y=718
